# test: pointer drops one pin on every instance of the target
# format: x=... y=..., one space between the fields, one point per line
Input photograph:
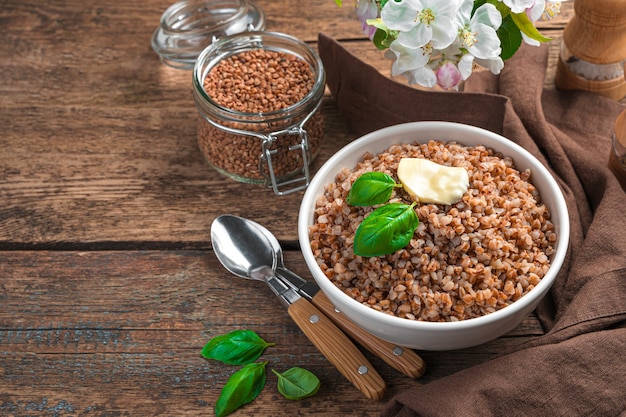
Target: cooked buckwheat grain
x=465 y=260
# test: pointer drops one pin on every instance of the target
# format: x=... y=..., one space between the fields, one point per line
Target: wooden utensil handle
x=337 y=348
x=403 y=359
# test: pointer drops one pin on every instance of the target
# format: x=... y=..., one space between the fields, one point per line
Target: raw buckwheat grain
x=256 y=82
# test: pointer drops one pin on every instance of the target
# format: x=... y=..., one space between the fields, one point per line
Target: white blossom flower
x=440 y=42
x=552 y=9
x=534 y=13
x=467 y=62
x=367 y=9
x=422 y=21
x=519 y=6
x=412 y=63
x=445 y=66
x=478 y=32
x=424 y=76
x=408 y=59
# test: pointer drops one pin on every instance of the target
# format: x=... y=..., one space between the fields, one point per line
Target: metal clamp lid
x=293 y=183
x=189 y=26
x=280 y=187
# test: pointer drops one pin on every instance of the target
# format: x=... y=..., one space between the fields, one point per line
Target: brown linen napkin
x=577 y=368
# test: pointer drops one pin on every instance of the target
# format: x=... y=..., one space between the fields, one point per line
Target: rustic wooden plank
x=109 y=182
x=122 y=331
x=172 y=291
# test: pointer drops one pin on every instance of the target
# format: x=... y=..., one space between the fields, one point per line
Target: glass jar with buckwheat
x=259 y=95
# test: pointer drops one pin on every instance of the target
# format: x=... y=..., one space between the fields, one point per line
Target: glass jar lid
x=189 y=26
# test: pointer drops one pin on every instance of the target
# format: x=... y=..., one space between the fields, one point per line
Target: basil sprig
x=389 y=227
x=386 y=230
x=371 y=188
x=297 y=383
x=243 y=347
x=239 y=347
x=242 y=387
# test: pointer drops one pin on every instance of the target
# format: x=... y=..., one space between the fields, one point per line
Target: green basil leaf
x=239 y=347
x=371 y=188
x=523 y=22
x=386 y=230
x=242 y=387
x=297 y=383
x=510 y=37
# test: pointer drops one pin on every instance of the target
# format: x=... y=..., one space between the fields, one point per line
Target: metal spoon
x=402 y=359
x=246 y=252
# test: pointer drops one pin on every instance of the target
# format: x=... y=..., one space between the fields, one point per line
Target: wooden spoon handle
x=337 y=348
x=403 y=359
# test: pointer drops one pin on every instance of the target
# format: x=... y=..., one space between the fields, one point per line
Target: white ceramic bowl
x=430 y=335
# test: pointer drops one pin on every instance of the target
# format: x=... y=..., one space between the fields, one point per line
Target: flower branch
x=435 y=42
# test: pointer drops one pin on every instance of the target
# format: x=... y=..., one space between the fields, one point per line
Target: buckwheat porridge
x=465 y=260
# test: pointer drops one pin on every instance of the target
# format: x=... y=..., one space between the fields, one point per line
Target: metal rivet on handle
x=314 y=318
x=363 y=370
x=398 y=351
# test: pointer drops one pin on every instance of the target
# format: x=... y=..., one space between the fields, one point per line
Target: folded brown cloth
x=578 y=368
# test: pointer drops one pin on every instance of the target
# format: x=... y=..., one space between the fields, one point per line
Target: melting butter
x=429 y=182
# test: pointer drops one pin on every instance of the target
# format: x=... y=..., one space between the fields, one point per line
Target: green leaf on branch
x=386 y=230
x=370 y=189
x=242 y=387
x=239 y=347
x=380 y=39
x=510 y=37
x=297 y=383
x=523 y=22
x=383 y=35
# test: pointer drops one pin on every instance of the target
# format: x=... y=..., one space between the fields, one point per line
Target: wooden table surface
x=108 y=284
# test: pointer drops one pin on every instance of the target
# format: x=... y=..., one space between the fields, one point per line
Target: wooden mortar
x=596 y=34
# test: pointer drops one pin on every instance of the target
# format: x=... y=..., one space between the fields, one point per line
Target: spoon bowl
x=247 y=252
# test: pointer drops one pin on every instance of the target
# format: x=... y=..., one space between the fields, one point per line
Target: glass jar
x=271 y=144
x=189 y=26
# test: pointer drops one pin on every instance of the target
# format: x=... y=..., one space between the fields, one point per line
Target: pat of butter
x=429 y=182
